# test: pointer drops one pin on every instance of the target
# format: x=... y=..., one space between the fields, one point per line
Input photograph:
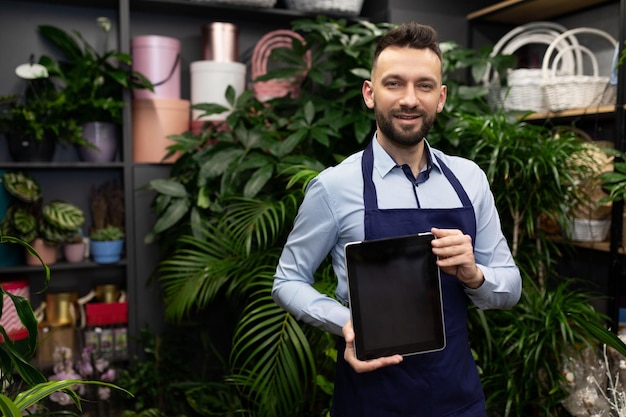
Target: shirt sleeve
x=503 y=284
x=313 y=236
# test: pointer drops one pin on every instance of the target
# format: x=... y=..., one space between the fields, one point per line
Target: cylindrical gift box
x=153 y=122
x=209 y=81
x=220 y=42
x=158 y=59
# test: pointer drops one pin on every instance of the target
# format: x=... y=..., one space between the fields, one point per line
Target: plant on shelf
x=107 y=244
x=24 y=386
x=35 y=121
x=44 y=226
x=93 y=82
x=107 y=231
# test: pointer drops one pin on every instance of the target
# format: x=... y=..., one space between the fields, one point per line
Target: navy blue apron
x=438 y=384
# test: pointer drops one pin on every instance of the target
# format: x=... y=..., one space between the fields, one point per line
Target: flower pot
x=74 y=252
x=31 y=150
x=105 y=137
x=47 y=252
x=107 y=252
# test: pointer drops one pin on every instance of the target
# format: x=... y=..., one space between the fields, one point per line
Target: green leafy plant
x=40 y=113
x=17 y=370
x=226 y=210
x=56 y=222
x=92 y=82
x=615 y=182
x=107 y=233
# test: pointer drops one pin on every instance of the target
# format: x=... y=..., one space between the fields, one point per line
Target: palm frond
x=271 y=356
x=256 y=223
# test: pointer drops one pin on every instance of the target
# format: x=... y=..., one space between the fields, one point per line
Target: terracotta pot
x=47 y=252
x=74 y=252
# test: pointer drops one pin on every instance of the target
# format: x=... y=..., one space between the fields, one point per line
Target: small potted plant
x=74 y=249
x=94 y=84
x=34 y=122
x=43 y=226
x=107 y=244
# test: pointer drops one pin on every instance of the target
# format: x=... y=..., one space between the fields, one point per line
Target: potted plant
x=34 y=122
x=74 y=249
x=107 y=244
x=93 y=84
x=44 y=226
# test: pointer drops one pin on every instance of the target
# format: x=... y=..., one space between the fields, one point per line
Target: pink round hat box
x=158 y=59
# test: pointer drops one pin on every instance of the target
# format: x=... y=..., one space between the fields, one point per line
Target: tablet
x=394 y=290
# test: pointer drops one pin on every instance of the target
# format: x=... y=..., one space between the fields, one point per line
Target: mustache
x=408 y=112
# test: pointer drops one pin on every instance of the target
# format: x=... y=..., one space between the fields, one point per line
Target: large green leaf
x=64 y=215
x=169 y=187
x=22 y=186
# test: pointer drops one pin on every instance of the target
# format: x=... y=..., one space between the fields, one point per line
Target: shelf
x=603 y=246
x=222 y=10
x=61 y=165
x=608 y=110
x=59 y=266
x=524 y=11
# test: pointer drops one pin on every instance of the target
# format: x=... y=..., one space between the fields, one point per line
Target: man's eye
x=425 y=86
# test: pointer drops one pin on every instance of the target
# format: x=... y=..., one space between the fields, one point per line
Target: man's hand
x=456 y=256
x=364 y=366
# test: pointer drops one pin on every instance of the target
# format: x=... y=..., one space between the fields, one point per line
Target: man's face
x=406 y=93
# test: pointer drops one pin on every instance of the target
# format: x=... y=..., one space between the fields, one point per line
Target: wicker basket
x=345 y=7
x=523 y=90
x=267 y=90
x=586 y=230
x=577 y=90
x=250 y=3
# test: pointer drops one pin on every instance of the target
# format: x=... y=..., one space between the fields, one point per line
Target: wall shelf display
x=66 y=177
x=524 y=11
x=607 y=120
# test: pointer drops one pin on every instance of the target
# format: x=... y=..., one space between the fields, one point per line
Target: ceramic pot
x=105 y=138
x=107 y=252
x=47 y=252
x=74 y=252
x=31 y=150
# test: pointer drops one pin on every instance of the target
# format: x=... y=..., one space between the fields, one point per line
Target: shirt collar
x=384 y=163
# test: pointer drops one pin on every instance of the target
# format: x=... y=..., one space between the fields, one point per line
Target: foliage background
x=226 y=210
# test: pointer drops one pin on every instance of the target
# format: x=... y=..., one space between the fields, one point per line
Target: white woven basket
x=587 y=230
x=570 y=91
x=523 y=91
x=346 y=7
x=251 y=3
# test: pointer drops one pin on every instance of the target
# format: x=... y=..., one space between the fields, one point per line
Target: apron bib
x=437 y=384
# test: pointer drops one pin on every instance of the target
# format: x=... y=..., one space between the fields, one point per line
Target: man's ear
x=368 y=94
x=442 y=98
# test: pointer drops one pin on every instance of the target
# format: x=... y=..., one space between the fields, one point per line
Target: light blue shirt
x=332 y=215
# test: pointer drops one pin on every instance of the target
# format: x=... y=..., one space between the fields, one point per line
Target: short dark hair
x=412 y=35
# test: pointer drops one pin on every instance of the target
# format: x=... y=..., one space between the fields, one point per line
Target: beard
x=404 y=136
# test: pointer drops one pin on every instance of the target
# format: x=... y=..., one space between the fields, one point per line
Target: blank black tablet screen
x=395 y=296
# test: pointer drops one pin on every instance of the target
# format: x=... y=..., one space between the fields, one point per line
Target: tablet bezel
x=396 y=248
